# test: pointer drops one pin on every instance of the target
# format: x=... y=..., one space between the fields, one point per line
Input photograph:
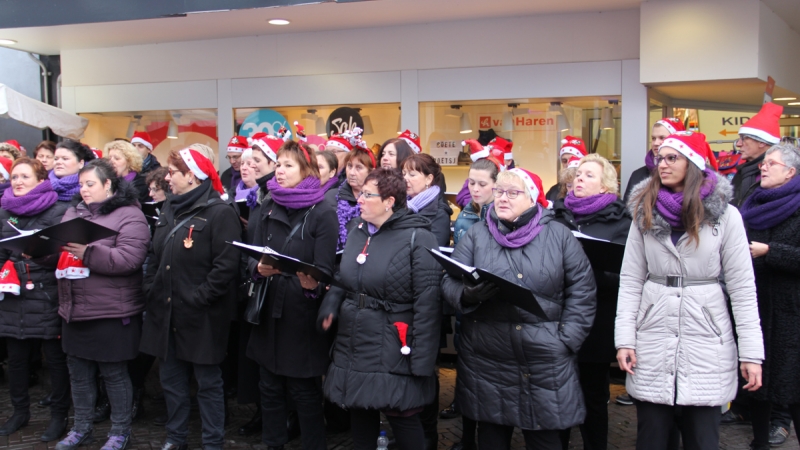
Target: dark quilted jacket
x=399 y=284
x=515 y=368
x=34 y=313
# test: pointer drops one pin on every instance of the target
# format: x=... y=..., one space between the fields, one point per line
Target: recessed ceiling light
x=7 y=42
x=278 y=22
x=780 y=99
x=794 y=103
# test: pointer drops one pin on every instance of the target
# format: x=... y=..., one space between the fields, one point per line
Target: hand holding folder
x=284 y=263
x=48 y=241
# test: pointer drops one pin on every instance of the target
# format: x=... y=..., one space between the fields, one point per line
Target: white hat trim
x=508 y=156
x=686 y=151
x=528 y=181
x=337 y=144
x=574 y=164
x=571 y=151
x=11 y=288
x=142 y=141
x=761 y=134
x=481 y=154
x=667 y=125
x=412 y=144
x=265 y=148
x=73 y=273
x=235 y=149
x=187 y=157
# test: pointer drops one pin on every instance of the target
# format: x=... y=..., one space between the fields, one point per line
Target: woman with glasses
x=516 y=369
x=388 y=311
x=593 y=208
x=674 y=333
x=157 y=185
x=772 y=217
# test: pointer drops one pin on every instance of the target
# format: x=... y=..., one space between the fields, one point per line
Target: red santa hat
x=402 y=332
x=202 y=168
x=300 y=130
x=142 y=137
x=268 y=144
x=412 y=139
x=693 y=146
x=765 y=125
x=533 y=184
x=9 y=281
x=71 y=267
x=285 y=134
x=5 y=167
x=15 y=143
x=574 y=163
x=476 y=150
x=338 y=143
x=97 y=152
x=672 y=124
x=238 y=144
x=503 y=145
x=574 y=146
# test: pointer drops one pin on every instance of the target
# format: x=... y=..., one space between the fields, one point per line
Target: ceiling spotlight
x=466 y=127
x=319 y=127
x=7 y=42
x=563 y=123
x=454 y=111
x=172 y=130
x=278 y=22
x=135 y=122
x=606 y=119
x=310 y=114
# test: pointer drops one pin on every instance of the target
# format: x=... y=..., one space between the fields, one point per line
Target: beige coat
x=683 y=337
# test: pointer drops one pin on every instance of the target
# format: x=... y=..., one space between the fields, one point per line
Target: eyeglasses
x=768 y=165
x=368 y=195
x=670 y=159
x=154 y=189
x=173 y=172
x=233 y=157
x=511 y=193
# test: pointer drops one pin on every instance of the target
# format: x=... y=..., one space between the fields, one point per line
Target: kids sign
x=536 y=121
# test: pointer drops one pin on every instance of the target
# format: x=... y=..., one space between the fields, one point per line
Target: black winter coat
x=515 y=368
x=399 y=283
x=746 y=180
x=638 y=175
x=139 y=183
x=611 y=223
x=438 y=213
x=191 y=292
x=287 y=341
x=33 y=314
x=778 y=289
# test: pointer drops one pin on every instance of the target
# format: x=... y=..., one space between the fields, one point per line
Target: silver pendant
x=361 y=258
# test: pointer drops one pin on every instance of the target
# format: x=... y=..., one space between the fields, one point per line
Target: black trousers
x=594 y=379
x=699 y=426
x=498 y=437
x=761 y=420
x=19 y=367
x=139 y=367
x=307 y=396
x=365 y=425
x=430 y=420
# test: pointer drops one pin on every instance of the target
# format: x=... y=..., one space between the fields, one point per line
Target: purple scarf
x=305 y=194
x=345 y=212
x=236 y=177
x=243 y=192
x=768 y=208
x=519 y=237
x=669 y=204
x=650 y=161
x=588 y=205
x=464 y=197
x=423 y=199
x=65 y=187
x=329 y=184
x=130 y=176
x=35 y=201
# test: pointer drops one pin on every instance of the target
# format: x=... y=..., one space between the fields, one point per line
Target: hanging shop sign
x=343 y=119
x=263 y=121
x=445 y=152
x=534 y=121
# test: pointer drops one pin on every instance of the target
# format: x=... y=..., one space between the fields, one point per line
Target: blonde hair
x=511 y=177
x=205 y=151
x=608 y=179
x=566 y=176
x=128 y=151
x=6 y=147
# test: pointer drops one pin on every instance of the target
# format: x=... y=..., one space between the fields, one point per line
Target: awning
x=40 y=115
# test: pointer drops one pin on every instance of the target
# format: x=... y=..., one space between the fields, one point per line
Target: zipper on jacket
x=646 y=313
x=712 y=323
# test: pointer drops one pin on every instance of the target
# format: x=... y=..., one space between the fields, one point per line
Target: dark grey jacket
x=399 y=283
x=513 y=367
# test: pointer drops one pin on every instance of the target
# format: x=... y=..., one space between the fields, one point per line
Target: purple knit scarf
x=130 y=176
x=329 y=184
x=767 y=208
x=35 y=201
x=66 y=187
x=650 y=161
x=585 y=206
x=464 y=197
x=423 y=199
x=519 y=237
x=305 y=194
x=345 y=212
x=669 y=204
x=243 y=192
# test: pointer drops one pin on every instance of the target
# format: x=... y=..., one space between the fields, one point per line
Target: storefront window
x=536 y=126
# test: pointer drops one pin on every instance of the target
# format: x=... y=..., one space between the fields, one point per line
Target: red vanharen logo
x=485 y=122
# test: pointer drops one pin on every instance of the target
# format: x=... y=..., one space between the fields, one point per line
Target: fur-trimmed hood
x=126 y=195
x=714 y=205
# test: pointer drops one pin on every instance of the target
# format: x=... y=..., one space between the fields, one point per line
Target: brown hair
x=175 y=159
x=692 y=211
x=158 y=176
x=390 y=183
x=403 y=151
x=423 y=162
x=35 y=164
x=302 y=156
x=362 y=156
x=330 y=158
x=47 y=145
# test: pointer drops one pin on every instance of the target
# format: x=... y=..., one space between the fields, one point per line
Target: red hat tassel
x=402 y=329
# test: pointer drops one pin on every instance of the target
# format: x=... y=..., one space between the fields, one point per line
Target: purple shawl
x=130 y=176
x=423 y=199
x=329 y=184
x=464 y=197
x=305 y=194
x=581 y=207
x=768 y=208
x=650 y=161
x=519 y=237
x=345 y=212
x=66 y=187
x=669 y=204
x=243 y=192
x=35 y=201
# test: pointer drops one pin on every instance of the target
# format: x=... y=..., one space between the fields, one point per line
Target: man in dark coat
x=756 y=136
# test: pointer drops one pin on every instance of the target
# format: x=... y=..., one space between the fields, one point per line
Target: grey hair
x=789 y=154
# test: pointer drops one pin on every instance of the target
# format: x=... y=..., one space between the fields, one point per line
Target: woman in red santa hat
x=191 y=290
x=661 y=130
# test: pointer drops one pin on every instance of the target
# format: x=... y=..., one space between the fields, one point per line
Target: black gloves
x=475 y=294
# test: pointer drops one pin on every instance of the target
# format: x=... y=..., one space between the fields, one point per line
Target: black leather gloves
x=475 y=294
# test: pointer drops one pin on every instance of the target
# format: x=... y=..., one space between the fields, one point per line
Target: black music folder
x=511 y=292
x=244 y=210
x=151 y=211
x=284 y=263
x=603 y=255
x=38 y=243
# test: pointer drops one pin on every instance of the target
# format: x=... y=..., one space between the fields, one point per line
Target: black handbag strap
x=294 y=230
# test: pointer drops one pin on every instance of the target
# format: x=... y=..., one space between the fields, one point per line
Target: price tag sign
x=445 y=153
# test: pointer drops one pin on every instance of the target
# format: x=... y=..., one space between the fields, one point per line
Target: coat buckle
x=674 y=281
x=362 y=300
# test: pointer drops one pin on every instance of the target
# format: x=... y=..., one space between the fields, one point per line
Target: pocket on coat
x=393 y=360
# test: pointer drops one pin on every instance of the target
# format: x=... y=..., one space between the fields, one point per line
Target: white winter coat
x=683 y=337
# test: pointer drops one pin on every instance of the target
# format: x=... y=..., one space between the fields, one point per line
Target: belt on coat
x=365 y=301
x=678 y=281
